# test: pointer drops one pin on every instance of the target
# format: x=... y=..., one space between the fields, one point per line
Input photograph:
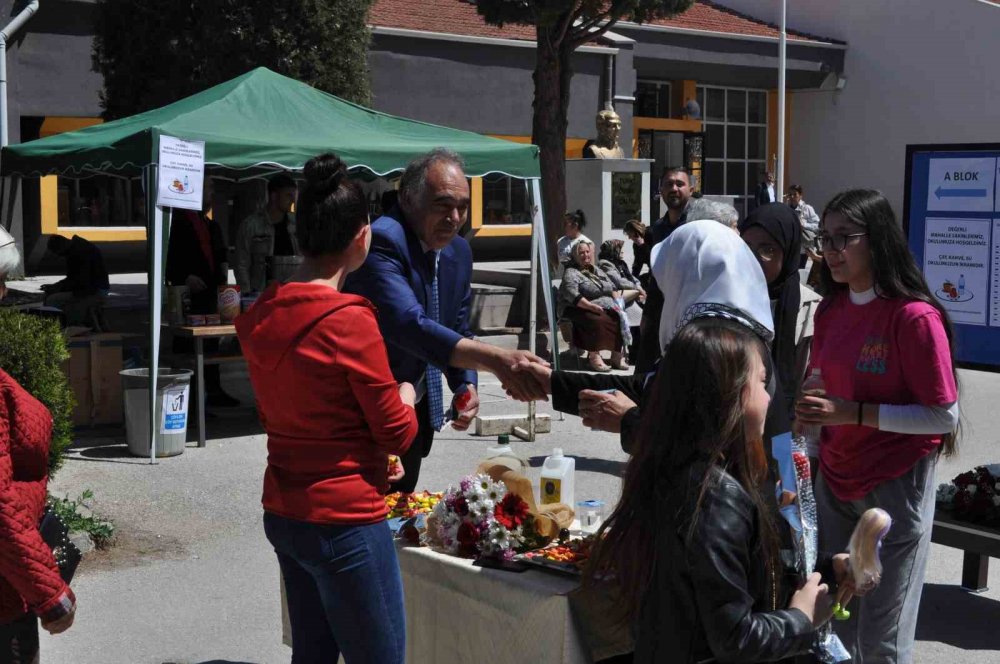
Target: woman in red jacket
x=30 y=584
x=333 y=414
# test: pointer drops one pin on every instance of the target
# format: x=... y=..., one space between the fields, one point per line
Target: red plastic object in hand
x=462 y=401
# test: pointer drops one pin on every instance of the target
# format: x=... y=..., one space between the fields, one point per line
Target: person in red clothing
x=333 y=414
x=30 y=585
x=884 y=348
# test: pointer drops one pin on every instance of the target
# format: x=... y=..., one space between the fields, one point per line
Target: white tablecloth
x=458 y=613
x=462 y=614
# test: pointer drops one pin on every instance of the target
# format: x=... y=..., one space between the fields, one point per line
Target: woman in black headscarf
x=774 y=234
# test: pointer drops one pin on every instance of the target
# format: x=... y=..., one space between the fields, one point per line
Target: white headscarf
x=706 y=269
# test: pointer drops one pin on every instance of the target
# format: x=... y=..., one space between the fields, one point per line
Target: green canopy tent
x=256 y=124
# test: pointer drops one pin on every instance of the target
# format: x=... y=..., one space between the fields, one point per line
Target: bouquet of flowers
x=481 y=519
x=974 y=495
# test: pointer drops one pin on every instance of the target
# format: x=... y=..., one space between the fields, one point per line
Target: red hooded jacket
x=29 y=578
x=328 y=402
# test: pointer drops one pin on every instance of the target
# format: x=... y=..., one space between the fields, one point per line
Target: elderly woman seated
x=593 y=301
x=610 y=260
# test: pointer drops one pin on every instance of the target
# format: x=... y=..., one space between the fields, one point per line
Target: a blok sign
x=961 y=185
x=952 y=218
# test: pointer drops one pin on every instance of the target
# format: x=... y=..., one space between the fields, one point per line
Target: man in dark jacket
x=675 y=190
x=86 y=282
x=196 y=258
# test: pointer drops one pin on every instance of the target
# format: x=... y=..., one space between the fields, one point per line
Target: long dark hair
x=331 y=208
x=695 y=415
x=894 y=269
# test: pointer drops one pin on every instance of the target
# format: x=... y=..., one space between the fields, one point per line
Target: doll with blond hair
x=866 y=565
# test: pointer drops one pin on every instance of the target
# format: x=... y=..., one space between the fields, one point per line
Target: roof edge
x=472 y=39
x=795 y=39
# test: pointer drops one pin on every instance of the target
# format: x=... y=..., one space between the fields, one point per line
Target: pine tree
x=154 y=53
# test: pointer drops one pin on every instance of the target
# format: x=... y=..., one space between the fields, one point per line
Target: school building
x=864 y=79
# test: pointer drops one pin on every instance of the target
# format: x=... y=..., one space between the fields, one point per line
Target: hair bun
x=324 y=173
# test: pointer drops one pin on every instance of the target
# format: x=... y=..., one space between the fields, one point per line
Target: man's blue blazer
x=397 y=278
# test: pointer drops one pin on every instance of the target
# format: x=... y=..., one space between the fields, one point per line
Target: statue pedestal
x=610 y=192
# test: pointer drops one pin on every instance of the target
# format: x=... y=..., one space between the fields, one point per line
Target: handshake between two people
x=601 y=410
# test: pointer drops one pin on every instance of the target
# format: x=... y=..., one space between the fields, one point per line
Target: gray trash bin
x=173 y=394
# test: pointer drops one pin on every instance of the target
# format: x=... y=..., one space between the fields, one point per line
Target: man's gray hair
x=10 y=257
x=414 y=180
x=702 y=208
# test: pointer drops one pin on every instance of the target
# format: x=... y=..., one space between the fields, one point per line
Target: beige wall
x=918 y=71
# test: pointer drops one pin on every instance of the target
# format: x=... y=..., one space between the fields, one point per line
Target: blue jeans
x=345 y=593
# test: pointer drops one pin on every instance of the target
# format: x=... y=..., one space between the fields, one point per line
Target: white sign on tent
x=180 y=174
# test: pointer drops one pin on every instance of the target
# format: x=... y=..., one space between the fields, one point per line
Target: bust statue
x=609 y=127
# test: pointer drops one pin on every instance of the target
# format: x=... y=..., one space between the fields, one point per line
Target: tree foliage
x=154 y=53
x=33 y=352
x=561 y=27
x=581 y=20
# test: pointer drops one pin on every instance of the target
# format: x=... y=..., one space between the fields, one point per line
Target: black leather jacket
x=711 y=599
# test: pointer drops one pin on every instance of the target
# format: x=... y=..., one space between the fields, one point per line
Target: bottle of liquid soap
x=503 y=453
x=557 y=479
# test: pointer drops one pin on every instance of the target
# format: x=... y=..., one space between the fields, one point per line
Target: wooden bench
x=978 y=544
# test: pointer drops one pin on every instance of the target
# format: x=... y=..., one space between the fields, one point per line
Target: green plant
x=32 y=351
x=101 y=531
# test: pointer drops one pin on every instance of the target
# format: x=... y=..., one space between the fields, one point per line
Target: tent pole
x=154 y=239
x=540 y=258
x=533 y=311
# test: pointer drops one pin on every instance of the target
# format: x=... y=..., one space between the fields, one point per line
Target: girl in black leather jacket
x=693 y=543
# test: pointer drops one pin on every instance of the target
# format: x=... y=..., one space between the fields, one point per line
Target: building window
x=652 y=99
x=505 y=200
x=101 y=201
x=735 y=148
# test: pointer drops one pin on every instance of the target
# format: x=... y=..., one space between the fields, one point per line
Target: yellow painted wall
x=574 y=150
x=48 y=190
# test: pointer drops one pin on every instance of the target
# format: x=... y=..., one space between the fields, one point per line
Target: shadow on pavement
x=215 y=661
x=954 y=616
x=588 y=464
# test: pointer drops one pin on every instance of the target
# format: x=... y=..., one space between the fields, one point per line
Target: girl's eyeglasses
x=837 y=242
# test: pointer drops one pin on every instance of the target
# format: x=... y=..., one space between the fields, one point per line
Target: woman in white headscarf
x=703 y=269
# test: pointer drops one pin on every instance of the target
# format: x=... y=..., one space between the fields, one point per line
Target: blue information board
x=952 y=219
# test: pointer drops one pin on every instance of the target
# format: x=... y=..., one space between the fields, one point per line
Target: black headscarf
x=779 y=221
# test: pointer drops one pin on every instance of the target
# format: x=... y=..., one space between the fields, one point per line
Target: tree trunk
x=548 y=127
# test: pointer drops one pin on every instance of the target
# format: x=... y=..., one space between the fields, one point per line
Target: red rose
x=460 y=506
x=511 y=511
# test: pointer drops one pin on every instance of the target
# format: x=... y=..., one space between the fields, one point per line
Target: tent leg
x=539 y=269
x=154 y=216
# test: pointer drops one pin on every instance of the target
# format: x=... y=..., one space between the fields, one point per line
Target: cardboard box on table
x=92 y=369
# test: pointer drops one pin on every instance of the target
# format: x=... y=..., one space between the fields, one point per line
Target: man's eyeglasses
x=837 y=242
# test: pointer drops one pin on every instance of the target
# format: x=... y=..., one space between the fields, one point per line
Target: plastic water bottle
x=961 y=284
x=812 y=386
x=557 y=479
x=502 y=453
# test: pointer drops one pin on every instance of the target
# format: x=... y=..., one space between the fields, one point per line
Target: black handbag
x=55 y=532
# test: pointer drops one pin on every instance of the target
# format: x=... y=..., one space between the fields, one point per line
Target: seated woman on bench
x=593 y=301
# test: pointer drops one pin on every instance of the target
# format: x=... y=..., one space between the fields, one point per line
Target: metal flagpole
x=780 y=169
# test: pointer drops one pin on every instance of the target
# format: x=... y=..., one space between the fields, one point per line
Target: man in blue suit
x=419 y=276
